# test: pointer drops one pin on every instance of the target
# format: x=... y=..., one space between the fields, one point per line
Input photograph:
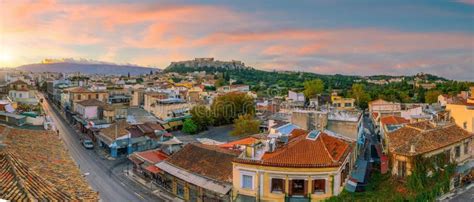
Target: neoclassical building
x=308 y=166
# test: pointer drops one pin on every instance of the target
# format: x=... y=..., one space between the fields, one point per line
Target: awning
x=78 y=119
x=166 y=126
x=135 y=160
x=153 y=169
x=212 y=185
x=465 y=168
x=175 y=123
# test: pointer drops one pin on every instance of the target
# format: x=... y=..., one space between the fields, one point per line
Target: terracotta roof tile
x=205 y=160
x=43 y=152
x=424 y=137
x=151 y=156
x=244 y=141
x=20 y=183
x=324 y=151
x=298 y=132
x=115 y=130
x=393 y=120
x=91 y=102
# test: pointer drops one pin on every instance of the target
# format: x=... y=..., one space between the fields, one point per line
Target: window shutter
x=305 y=187
x=290 y=189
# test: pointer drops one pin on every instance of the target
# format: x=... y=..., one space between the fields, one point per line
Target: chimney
x=412 y=149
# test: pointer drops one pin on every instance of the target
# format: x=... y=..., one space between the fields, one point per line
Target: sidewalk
x=156 y=190
x=450 y=195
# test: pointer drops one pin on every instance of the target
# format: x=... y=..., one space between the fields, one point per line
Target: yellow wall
x=395 y=158
x=330 y=174
x=461 y=115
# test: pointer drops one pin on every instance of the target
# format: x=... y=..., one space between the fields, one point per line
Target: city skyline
x=364 y=38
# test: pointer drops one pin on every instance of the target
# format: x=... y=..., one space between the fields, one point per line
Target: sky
x=328 y=36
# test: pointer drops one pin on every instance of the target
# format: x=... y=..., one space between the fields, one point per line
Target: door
x=298 y=187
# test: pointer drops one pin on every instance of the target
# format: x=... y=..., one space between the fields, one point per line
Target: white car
x=88 y=144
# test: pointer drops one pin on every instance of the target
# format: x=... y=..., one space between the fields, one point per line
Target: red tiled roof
x=91 y=102
x=424 y=137
x=205 y=160
x=393 y=120
x=300 y=152
x=77 y=90
x=244 y=141
x=152 y=156
x=375 y=115
x=20 y=183
x=298 y=132
x=153 y=169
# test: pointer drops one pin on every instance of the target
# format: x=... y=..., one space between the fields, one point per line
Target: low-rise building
x=310 y=166
x=426 y=139
x=341 y=103
x=208 y=180
x=462 y=111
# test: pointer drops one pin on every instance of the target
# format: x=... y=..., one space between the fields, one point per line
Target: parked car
x=88 y=144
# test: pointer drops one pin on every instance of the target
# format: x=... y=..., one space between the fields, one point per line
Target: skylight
x=313 y=135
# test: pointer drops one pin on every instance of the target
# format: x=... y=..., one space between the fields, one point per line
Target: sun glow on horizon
x=6 y=58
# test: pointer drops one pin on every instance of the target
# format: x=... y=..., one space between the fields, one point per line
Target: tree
x=432 y=96
x=202 y=116
x=228 y=107
x=359 y=94
x=189 y=126
x=313 y=88
x=246 y=125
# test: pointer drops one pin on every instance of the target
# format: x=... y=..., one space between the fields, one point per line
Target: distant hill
x=68 y=67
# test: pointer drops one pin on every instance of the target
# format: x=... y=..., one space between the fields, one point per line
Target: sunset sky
x=328 y=37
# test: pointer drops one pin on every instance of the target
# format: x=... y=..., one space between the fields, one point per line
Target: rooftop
x=424 y=137
x=393 y=120
x=91 y=102
x=302 y=151
x=205 y=160
x=151 y=156
x=115 y=130
x=42 y=152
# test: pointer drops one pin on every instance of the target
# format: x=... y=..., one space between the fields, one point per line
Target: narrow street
x=104 y=176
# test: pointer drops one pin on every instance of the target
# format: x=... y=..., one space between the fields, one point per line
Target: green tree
x=189 y=126
x=202 y=116
x=359 y=94
x=228 y=107
x=313 y=88
x=246 y=125
x=432 y=96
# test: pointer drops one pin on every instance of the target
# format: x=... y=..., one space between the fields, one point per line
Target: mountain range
x=88 y=68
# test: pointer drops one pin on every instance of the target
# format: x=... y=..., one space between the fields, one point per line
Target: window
x=89 y=97
x=466 y=147
x=448 y=155
x=78 y=97
x=180 y=190
x=464 y=125
x=96 y=96
x=277 y=185
x=247 y=181
x=457 y=151
x=319 y=186
x=402 y=168
x=348 y=105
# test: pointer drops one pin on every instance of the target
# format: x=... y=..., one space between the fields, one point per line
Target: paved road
x=103 y=175
x=468 y=195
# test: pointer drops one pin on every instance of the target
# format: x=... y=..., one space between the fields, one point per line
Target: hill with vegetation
x=271 y=83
